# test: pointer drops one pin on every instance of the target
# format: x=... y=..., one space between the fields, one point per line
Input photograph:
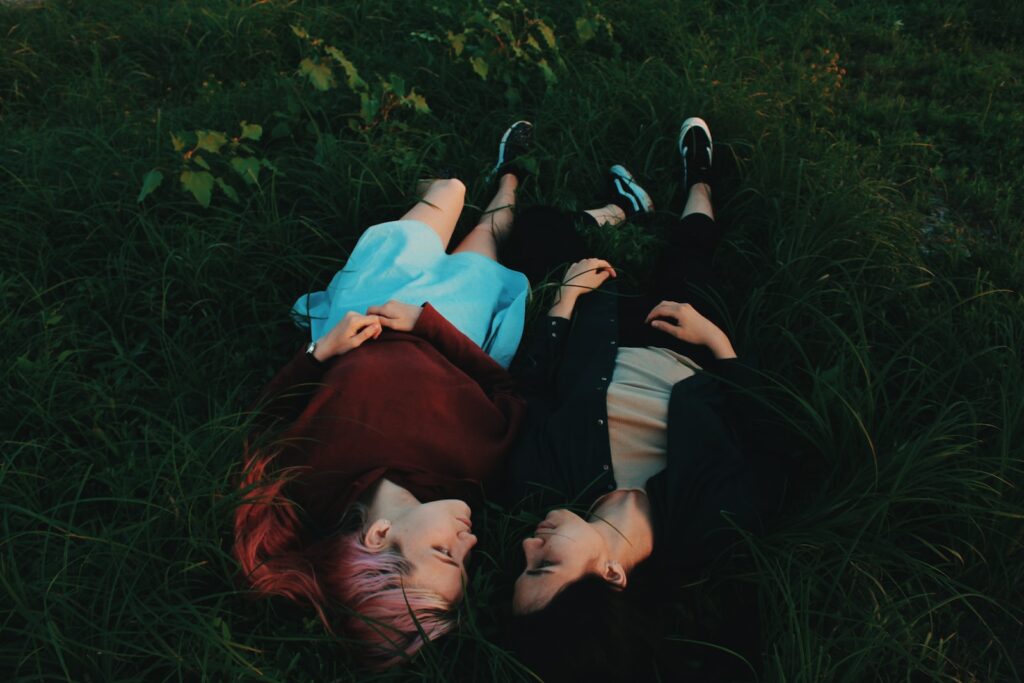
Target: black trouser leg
x=543 y=241
x=684 y=274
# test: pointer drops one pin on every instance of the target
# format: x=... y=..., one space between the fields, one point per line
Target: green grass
x=873 y=266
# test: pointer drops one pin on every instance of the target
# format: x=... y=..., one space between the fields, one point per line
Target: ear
x=615 y=575
x=376 y=536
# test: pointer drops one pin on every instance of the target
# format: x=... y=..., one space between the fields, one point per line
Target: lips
x=545 y=525
x=466 y=521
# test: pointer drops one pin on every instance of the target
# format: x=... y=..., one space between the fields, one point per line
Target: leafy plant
x=209 y=158
x=592 y=25
x=507 y=43
x=376 y=103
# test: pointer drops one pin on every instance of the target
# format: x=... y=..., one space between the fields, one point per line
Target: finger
x=662 y=310
x=604 y=266
x=368 y=332
x=361 y=321
x=384 y=310
x=665 y=327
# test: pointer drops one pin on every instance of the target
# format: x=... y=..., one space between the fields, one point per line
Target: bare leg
x=495 y=222
x=611 y=214
x=439 y=207
x=699 y=201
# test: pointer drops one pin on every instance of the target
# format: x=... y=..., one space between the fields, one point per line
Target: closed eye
x=445 y=556
x=540 y=565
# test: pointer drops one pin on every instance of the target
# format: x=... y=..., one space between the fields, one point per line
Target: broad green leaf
x=150 y=182
x=177 y=142
x=200 y=161
x=199 y=184
x=584 y=29
x=320 y=75
x=479 y=66
x=300 y=32
x=248 y=168
x=227 y=190
x=532 y=42
x=549 y=35
x=419 y=102
x=502 y=24
x=210 y=140
x=396 y=85
x=457 y=41
x=368 y=107
x=352 y=78
x=251 y=131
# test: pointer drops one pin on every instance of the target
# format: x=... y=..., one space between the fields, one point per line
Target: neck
x=623 y=518
x=389 y=501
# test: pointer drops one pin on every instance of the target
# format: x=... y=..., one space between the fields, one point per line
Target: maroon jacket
x=427 y=409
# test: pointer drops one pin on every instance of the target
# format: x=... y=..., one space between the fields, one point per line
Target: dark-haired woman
x=639 y=435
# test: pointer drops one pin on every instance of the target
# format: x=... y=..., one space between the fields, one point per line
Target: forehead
x=532 y=593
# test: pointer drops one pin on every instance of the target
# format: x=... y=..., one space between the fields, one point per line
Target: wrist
x=720 y=346
x=320 y=350
x=567 y=295
x=564 y=303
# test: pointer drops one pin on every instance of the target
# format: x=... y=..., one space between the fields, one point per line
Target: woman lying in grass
x=389 y=422
x=637 y=419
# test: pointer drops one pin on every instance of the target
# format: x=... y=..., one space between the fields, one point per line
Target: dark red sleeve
x=287 y=394
x=462 y=351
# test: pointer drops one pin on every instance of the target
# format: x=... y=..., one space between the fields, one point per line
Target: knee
x=450 y=185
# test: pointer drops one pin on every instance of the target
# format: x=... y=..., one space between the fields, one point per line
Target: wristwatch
x=310 y=350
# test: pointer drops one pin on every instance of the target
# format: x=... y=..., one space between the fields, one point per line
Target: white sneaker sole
x=687 y=125
x=628 y=187
x=504 y=141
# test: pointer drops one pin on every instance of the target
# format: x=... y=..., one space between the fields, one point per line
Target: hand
x=580 y=278
x=350 y=332
x=395 y=315
x=586 y=275
x=686 y=324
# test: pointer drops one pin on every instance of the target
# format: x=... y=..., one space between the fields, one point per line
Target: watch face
x=311 y=348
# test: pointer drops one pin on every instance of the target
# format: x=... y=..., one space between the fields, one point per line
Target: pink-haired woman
x=386 y=426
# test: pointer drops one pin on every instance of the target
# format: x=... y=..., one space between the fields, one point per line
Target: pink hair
x=271 y=546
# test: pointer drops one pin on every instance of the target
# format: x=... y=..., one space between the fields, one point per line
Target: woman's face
x=436 y=538
x=563 y=549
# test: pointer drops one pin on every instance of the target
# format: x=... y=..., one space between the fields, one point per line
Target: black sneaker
x=515 y=143
x=626 y=193
x=695 y=148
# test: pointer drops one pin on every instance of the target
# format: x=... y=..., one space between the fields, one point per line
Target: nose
x=466 y=540
x=531 y=543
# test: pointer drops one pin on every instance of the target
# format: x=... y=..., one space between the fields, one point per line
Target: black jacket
x=721 y=471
